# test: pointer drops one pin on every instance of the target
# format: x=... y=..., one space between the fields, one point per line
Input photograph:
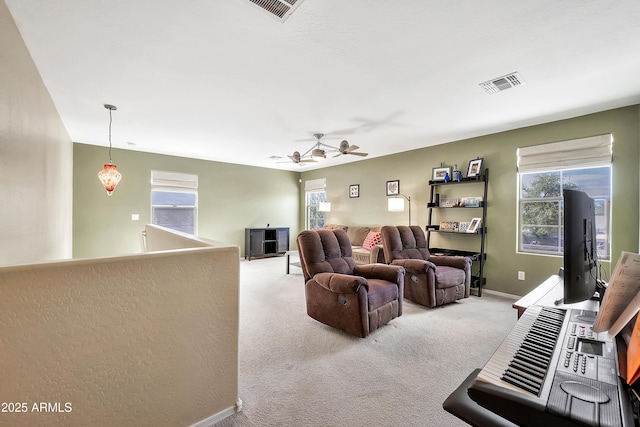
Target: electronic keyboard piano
x=553 y=369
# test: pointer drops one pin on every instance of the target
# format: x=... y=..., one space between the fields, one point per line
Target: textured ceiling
x=222 y=80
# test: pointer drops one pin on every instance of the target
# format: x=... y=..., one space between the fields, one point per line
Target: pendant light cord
x=110 y=121
x=110 y=108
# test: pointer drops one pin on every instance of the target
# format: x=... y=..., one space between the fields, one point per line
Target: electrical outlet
x=520 y=275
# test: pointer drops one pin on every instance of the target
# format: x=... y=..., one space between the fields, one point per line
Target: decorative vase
x=457 y=175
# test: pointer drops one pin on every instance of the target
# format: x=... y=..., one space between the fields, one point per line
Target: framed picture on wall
x=393 y=188
x=475 y=168
x=354 y=190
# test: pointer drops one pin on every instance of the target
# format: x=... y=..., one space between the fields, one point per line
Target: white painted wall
x=159 y=238
x=36 y=159
x=140 y=340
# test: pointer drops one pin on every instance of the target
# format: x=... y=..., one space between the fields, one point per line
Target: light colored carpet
x=295 y=371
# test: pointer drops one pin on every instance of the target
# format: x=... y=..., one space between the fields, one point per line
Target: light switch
x=135 y=217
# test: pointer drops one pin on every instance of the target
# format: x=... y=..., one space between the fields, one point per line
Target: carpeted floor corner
x=295 y=371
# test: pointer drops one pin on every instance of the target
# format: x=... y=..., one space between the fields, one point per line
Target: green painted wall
x=230 y=198
x=413 y=169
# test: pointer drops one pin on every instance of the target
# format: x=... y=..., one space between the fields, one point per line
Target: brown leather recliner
x=429 y=280
x=357 y=299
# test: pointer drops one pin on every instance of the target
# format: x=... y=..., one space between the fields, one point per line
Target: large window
x=315 y=218
x=544 y=172
x=541 y=207
x=174 y=201
x=315 y=194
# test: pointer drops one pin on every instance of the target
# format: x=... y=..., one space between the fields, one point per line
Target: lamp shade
x=395 y=205
x=324 y=207
x=109 y=177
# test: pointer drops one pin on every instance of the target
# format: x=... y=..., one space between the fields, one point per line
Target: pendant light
x=109 y=175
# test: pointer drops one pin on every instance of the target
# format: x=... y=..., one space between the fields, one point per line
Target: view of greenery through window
x=315 y=218
x=541 y=207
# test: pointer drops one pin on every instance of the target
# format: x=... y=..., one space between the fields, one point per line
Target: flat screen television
x=580 y=247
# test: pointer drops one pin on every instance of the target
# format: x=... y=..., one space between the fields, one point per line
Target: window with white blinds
x=543 y=172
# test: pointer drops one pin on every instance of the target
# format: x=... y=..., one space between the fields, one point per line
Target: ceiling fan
x=315 y=153
x=319 y=151
x=296 y=158
x=345 y=148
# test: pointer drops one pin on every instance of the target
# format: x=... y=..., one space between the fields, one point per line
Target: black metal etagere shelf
x=477 y=257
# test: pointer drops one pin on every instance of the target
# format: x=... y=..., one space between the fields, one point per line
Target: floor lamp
x=397 y=205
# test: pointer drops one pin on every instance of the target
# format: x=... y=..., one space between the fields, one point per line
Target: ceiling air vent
x=502 y=83
x=280 y=9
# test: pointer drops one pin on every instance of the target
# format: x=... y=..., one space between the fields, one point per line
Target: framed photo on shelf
x=439 y=173
x=463 y=226
x=354 y=190
x=451 y=226
x=475 y=168
x=449 y=203
x=471 y=202
x=473 y=226
x=393 y=188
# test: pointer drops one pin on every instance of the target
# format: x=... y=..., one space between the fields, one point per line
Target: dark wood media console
x=265 y=242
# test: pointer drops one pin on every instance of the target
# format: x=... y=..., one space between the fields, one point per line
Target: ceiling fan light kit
x=318 y=154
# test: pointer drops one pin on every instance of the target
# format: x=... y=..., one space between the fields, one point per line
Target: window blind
x=174 y=180
x=592 y=151
x=315 y=184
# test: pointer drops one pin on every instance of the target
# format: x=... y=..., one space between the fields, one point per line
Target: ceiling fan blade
x=351 y=148
x=295 y=163
x=299 y=163
x=360 y=154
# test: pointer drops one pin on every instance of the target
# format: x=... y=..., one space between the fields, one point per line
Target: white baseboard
x=216 y=418
x=502 y=294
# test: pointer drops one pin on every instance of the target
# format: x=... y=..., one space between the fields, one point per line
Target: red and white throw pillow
x=373 y=238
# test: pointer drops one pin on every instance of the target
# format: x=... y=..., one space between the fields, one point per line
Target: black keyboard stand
x=462 y=406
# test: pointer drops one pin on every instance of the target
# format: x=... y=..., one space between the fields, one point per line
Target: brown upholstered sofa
x=357 y=299
x=357 y=236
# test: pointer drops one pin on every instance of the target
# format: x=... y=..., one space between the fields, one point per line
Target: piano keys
x=552 y=368
x=526 y=355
